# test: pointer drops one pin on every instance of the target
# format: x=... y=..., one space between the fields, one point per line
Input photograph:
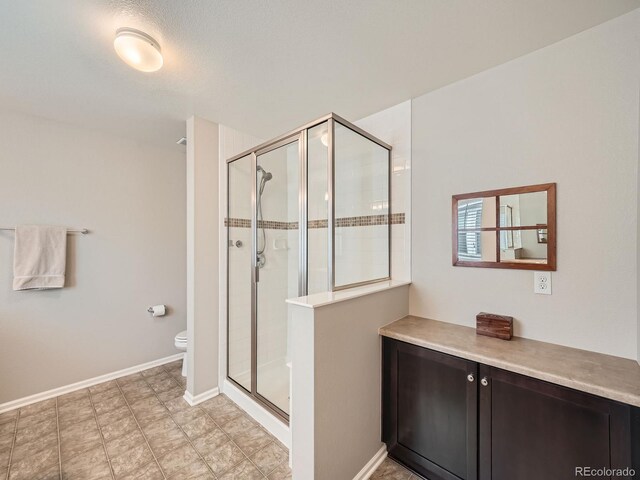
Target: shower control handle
x=238 y=243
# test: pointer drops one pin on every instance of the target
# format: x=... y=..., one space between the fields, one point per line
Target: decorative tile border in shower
x=397 y=218
x=370 y=220
x=237 y=222
x=361 y=221
x=273 y=225
x=318 y=223
x=268 y=224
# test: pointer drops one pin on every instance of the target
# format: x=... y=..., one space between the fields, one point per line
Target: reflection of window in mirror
x=470 y=218
x=474 y=243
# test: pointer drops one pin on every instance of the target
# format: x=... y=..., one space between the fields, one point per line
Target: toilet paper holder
x=157 y=310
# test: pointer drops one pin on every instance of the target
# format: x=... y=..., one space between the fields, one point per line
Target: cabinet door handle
x=470 y=377
x=484 y=382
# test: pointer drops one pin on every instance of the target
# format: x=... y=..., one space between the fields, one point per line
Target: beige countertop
x=607 y=376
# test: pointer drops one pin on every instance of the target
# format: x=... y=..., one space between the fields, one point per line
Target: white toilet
x=181 y=344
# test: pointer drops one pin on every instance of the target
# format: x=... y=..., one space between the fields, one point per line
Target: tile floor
x=390 y=470
x=137 y=427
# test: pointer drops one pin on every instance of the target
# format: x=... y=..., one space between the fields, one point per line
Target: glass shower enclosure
x=307 y=212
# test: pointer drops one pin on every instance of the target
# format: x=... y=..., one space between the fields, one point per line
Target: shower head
x=266 y=176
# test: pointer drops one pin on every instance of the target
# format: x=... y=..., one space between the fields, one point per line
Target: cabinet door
x=430 y=411
x=532 y=430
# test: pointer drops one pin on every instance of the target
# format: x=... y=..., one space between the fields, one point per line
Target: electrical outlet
x=542 y=283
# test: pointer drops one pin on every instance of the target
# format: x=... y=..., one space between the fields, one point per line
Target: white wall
x=132 y=197
x=567 y=113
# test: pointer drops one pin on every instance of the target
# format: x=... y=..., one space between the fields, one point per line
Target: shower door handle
x=256 y=273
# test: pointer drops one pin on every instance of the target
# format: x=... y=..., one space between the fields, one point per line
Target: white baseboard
x=38 y=397
x=201 y=397
x=372 y=464
x=274 y=425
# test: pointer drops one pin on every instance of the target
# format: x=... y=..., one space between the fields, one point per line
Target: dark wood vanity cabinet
x=430 y=412
x=449 y=418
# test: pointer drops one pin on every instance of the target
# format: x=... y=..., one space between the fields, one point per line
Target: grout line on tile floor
x=246 y=457
x=59 y=447
x=13 y=442
x=278 y=465
x=104 y=444
x=274 y=468
x=259 y=450
x=180 y=426
x=144 y=435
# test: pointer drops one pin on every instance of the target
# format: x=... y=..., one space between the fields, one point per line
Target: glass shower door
x=277 y=213
x=239 y=364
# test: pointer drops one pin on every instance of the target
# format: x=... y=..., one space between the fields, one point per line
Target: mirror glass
x=475 y=213
x=521 y=246
x=477 y=246
x=505 y=228
x=525 y=209
x=474 y=244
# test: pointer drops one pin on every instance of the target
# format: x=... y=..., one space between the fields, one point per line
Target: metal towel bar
x=83 y=231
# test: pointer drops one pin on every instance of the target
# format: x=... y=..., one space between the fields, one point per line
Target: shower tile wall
x=393 y=125
x=274 y=275
x=361 y=180
x=317 y=199
x=279 y=276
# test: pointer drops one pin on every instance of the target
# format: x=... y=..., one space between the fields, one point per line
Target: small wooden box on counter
x=492 y=325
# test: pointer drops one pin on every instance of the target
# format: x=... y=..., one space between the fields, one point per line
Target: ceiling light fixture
x=138 y=50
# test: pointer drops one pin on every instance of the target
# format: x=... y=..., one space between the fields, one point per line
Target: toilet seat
x=181 y=337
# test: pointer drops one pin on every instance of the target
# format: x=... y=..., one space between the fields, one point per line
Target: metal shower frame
x=299 y=135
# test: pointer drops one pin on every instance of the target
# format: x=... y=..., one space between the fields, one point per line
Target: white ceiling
x=261 y=66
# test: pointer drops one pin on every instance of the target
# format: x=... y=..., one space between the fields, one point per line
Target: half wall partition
x=307 y=212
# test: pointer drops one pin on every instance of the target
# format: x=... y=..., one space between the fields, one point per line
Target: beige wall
x=567 y=113
x=202 y=256
x=336 y=403
x=132 y=197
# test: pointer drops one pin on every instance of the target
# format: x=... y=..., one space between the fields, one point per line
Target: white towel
x=40 y=257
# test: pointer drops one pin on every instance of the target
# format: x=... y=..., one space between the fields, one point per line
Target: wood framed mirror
x=508 y=228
